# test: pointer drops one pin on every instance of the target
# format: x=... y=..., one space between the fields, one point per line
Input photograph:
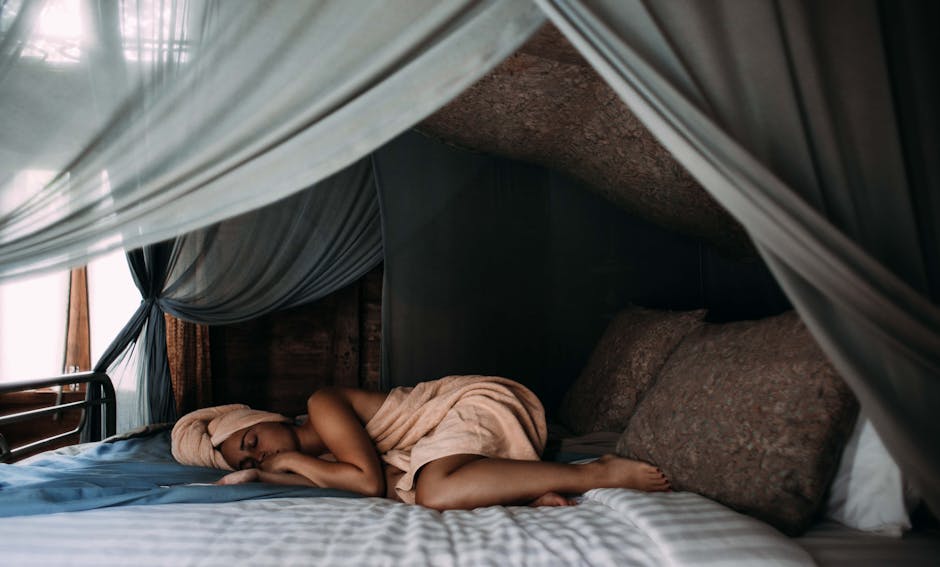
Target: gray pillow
x=628 y=356
x=750 y=414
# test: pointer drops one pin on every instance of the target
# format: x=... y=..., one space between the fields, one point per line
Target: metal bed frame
x=94 y=424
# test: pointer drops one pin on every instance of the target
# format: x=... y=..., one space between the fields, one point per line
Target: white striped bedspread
x=609 y=527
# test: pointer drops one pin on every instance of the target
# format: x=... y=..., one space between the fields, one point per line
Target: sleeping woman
x=460 y=442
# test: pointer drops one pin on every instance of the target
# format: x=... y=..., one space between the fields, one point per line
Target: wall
x=537 y=301
x=275 y=361
x=495 y=266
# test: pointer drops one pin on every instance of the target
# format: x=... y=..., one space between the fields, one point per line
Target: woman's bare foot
x=552 y=499
x=618 y=472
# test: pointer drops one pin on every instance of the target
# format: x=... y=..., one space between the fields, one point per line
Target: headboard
x=93 y=425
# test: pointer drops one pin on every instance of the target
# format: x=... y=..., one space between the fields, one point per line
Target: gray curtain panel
x=494 y=266
x=129 y=123
x=291 y=252
x=814 y=124
x=467 y=270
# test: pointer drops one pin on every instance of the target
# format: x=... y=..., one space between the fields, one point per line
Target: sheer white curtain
x=112 y=299
x=160 y=117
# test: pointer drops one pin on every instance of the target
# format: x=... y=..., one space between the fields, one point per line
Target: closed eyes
x=248 y=442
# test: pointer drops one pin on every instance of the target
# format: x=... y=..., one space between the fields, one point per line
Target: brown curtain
x=187 y=346
x=78 y=331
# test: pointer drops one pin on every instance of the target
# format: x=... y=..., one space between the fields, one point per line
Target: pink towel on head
x=197 y=434
x=477 y=415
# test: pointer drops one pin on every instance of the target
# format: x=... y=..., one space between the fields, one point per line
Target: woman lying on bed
x=456 y=443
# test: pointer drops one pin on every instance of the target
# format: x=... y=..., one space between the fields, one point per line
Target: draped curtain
x=189 y=352
x=285 y=254
x=815 y=125
x=129 y=123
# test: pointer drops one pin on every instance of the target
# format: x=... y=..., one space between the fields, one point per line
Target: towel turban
x=197 y=434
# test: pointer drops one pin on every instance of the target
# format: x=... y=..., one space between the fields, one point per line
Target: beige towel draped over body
x=478 y=415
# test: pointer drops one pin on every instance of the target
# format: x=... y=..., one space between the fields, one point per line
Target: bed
x=125 y=501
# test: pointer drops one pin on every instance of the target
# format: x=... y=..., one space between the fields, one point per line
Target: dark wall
x=498 y=267
x=493 y=267
x=276 y=361
x=604 y=259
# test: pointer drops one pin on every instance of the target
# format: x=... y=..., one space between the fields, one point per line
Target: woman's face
x=249 y=447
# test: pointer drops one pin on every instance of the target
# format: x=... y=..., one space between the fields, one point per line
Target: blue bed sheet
x=134 y=471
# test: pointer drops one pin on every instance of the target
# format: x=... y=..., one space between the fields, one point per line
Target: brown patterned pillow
x=750 y=414
x=629 y=355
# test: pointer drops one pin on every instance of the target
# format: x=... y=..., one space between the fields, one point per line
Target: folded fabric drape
x=489 y=416
x=285 y=254
x=787 y=113
x=128 y=123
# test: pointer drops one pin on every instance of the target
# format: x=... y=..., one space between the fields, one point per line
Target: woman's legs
x=552 y=499
x=470 y=481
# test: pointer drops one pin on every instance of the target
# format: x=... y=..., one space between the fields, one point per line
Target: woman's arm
x=357 y=467
x=257 y=475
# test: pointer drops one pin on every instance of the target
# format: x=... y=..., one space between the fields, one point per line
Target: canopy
x=813 y=122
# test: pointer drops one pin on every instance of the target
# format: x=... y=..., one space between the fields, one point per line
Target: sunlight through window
x=155 y=31
x=33 y=315
x=58 y=33
x=112 y=299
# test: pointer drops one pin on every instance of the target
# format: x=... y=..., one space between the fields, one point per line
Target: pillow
x=868 y=492
x=750 y=414
x=630 y=353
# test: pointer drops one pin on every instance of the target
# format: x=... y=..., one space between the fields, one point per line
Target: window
x=58 y=33
x=112 y=299
x=155 y=31
x=150 y=30
x=46 y=328
x=33 y=314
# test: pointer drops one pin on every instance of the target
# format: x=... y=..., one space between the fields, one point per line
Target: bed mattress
x=127 y=502
x=609 y=527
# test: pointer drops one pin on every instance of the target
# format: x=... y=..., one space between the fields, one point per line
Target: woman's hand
x=257 y=475
x=280 y=462
x=240 y=477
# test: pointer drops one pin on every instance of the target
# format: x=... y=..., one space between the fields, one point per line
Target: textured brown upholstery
x=750 y=414
x=630 y=353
